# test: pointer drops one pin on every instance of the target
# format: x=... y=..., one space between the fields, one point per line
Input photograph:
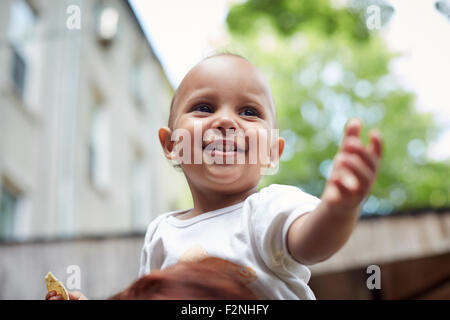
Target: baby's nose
x=225 y=123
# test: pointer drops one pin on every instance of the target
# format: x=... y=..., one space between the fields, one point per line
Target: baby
x=265 y=237
x=222 y=110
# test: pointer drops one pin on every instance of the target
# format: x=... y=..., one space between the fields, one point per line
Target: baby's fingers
x=354 y=146
x=77 y=295
x=52 y=295
x=353 y=128
x=345 y=182
x=376 y=145
x=362 y=173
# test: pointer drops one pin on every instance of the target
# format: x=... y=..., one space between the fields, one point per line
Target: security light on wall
x=107 y=24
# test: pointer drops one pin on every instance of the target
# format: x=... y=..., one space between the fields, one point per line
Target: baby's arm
x=319 y=234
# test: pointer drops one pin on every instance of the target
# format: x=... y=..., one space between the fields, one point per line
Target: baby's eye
x=202 y=108
x=250 y=112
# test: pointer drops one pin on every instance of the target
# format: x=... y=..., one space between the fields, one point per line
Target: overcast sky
x=180 y=32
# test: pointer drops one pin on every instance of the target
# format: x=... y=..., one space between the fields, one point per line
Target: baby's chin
x=223 y=178
x=224 y=174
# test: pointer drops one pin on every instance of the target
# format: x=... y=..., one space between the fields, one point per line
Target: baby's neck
x=208 y=201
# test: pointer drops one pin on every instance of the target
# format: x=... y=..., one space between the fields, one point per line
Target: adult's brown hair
x=202 y=280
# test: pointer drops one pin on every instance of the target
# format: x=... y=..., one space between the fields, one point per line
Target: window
x=26 y=53
x=99 y=147
x=9 y=202
x=18 y=73
x=137 y=83
x=22 y=21
x=140 y=193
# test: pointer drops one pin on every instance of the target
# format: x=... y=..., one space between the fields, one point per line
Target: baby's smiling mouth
x=223 y=146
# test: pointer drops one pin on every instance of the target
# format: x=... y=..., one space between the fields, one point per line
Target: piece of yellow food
x=54 y=284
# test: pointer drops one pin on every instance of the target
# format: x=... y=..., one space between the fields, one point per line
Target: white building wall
x=44 y=150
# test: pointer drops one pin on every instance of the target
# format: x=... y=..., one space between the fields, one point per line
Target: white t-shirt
x=249 y=236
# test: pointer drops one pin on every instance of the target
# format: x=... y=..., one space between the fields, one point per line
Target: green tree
x=324 y=67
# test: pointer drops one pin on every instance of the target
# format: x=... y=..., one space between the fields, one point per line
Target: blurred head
x=202 y=280
x=225 y=113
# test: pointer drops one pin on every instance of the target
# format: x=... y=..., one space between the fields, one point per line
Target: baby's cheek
x=259 y=147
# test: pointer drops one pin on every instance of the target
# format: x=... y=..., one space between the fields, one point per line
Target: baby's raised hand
x=354 y=169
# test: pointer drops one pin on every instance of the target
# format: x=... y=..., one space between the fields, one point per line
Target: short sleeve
x=149 y=253
x=276 y=209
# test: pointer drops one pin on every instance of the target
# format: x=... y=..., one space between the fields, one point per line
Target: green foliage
x=324 y=67
x=289 y=16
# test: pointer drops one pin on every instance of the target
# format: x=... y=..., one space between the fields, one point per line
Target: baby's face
x=224 y=100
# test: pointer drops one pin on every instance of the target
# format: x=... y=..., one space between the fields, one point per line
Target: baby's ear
x=165 y=135
x=276 y=151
